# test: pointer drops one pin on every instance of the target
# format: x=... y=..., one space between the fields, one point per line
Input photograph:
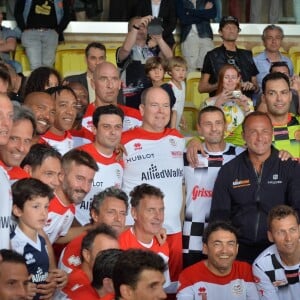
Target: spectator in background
x=272 y=39
x=42 y=24
x=41 y=79
x=95 y=53
x=8 y=44
x=196 y=33
x=164 y=10
x=132 y=56
x=5 y=79
x=230 y=98
x=228 y=53
x=274 y=9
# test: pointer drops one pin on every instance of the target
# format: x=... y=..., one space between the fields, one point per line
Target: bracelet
x=136 y=27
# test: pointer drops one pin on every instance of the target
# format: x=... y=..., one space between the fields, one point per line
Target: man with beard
x=43 y=107
x=78 y=170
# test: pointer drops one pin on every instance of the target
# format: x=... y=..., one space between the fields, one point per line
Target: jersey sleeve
x=263 y=284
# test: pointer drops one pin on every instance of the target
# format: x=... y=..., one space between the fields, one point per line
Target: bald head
x=43 y=107
x=107 y=84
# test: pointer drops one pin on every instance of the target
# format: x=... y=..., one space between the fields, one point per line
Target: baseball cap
x=229 y=19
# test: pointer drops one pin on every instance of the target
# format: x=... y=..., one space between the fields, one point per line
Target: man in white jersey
x=277 y=268
x=108 y=124
x=78 y=170
x=199 y=181
x=219 y=276
x=6 y=122
x=155 y=156
x=107 y=84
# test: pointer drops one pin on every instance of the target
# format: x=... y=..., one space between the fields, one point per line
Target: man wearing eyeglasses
x=228 y=53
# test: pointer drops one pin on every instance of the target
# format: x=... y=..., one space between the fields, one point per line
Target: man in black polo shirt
x=228 y=53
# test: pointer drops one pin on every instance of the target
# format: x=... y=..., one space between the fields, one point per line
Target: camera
x=236 y=94
x=155 y=27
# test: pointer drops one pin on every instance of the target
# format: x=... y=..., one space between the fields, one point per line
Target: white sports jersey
x=5 y=208
x=157 y=159
x=110 y=173
x=180 y=99
x=199 y=184
x=60 y=218
x=62 y=144
x=273 y=279
x=132 y=117
x=197 y=282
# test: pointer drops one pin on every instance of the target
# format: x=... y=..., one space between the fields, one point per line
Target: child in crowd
x=177 y=69
x=30 y=205
x=155 y=69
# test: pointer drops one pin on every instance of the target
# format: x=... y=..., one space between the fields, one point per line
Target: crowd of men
x=102 y=198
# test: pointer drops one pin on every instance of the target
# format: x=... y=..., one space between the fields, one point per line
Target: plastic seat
x=72 y=63
x=192 y=93
x=294 y=53
x=190 y=114
x=260 y=48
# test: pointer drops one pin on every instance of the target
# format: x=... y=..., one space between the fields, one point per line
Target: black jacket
x=245 y=198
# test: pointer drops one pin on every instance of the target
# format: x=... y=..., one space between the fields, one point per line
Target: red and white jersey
x=199 y=283
x=6 y=207
x=275 y=280
x=132 y=117
x=16 y=173
x=60 y=218
x=78 y=278
x=81 y=137
x=156 y=159
x=110 y=173
x=70 y=258
x=86 y=292
x=62 y=143
x=127 y=240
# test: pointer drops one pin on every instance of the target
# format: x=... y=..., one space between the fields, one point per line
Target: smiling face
x=108 y=133
x=77 y=181
x=43 y=107
x=277 y=97
x=48 y=172
x=65 y=105
x=156 y=111
x=231 y=79
x=221 y=250
x=111 y=212
x=285 y=234
x=6 y=118
x=148 y=217
x=19 y=143
x=212 y=127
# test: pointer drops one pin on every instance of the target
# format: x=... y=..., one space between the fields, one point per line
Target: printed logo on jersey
x=40 y=276
x=240 y=183
x=89 y=125
x=137 y=146
x=74 y=261
x=202 y=292
x=140 y=157
x=237 y=289
x=198 y=192
x=172 y=142
x=177 y=154
x=155 y=173
x=275 y=180
x=29 y=258
x=4 y=221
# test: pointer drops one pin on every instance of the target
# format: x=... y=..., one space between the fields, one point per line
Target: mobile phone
x=236 y=94
x=155 y=27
